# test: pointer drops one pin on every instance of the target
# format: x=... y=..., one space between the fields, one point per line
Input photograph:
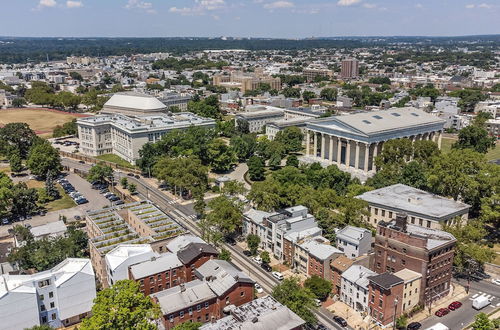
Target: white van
x=438 y=326
x=480 y=302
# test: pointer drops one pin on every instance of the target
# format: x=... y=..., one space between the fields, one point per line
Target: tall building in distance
x=350 y=68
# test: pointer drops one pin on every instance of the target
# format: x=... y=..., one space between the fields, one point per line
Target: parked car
x=340 y=320
x=130 y=174
x=257 y=259
x=77 y=218
x=230 y=241
x=81 y=201
x=320 y=326
x=278 y=276
x=266 y=267
x=258 y=288
x=442 y=312
x=495 y=281
x=81 y=162
x=5 y=221
x=137 y=176
x=119 y=202
x=414 y=326
x=247 y=253
x=480 y=302
x=455 y=305
x=317 y=302
x=114 y=198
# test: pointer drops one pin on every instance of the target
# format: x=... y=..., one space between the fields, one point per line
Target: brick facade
x=382 y=303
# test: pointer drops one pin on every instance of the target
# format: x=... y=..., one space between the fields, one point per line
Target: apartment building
x=131 y=223
x=274 y=228
x=122 y=256
x=246 y=81
x=427 y=251
x=173 y=99
x=58 y=297
x=124 y=136
x=218 y=287
x=339 y=265
x=350 y=68
x=319 y=254
x=423 y=208
x=311 y=73
x=354 y=241
x=261 y=313
x=493 y=127
x=386 y=294
x=354 y=287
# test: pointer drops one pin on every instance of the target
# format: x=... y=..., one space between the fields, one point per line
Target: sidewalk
x=353 y=318
x=457 y=292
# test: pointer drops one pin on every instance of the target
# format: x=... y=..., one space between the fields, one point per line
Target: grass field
x=65 y=202
x=41 y=121
x=492 y=154
x=115 y=159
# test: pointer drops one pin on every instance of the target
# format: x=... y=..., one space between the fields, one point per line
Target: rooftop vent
x=377 y=117
x=367 y=122
x=395 y=114
x=415 y=114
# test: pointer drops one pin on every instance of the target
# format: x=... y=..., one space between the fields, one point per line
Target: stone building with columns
x=352 y=142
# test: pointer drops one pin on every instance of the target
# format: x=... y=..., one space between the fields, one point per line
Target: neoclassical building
x=353 y=141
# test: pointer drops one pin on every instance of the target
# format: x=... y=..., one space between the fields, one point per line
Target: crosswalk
x=490 y=297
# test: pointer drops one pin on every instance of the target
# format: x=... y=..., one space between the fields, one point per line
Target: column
x=440 y=137
x=339 y=151
x=315 y=150
x=308 y=142
x=322 y=151
x=434 y=136
x=367 y=155
x=330 y=148
x=356 y=158
x=375 y=153
x=348 y=154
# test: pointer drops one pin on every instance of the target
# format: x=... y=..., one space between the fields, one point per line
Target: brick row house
x=219 y=287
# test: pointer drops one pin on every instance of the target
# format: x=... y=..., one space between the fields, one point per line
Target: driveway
x=96 y=201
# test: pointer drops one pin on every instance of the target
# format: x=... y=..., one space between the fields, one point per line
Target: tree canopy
x=299 y=299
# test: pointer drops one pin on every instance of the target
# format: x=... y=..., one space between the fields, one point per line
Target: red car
x=454 y=305
x=442 y=312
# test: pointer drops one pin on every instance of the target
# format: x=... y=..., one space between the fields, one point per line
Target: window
x=380 y=302
x=190 y=310
x=376 y=211
x=174 y=272
x=41 y=297
x=206 y=304
x=420 y=222
x=44 y=319
x=206 y=317
x=390 y=214
x=53 y=316
x=171 y=318
x=51 y=294
x=428 y=224
x=198 y=308
x=413 y=220
x=242 y=293
x=404 y=250
x=378 y=264
x=227 y=300
x=52 y=305
x=42 y=308
x=181 y=314
x=42 y=284
x=383 y=213
x=403 y=262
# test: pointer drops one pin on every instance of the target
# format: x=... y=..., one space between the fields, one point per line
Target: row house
x=354 y=241
x=339 y=265
x=354 y=291
x=219 y=287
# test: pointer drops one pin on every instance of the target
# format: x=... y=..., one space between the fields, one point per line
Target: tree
x=18 y=102
x=329 y=94
x=468 y=98
x=292 y=160
x=482 y=322
x=124 y=182
x=233 y=188
x=300 y=300
x=476 y=138
x=291 y=92
x=402 y=322
x=23 y=200
x=5 y=193
x=291 y=138
x=76 y=75
x=100 y=172
x=132 y=188
x=225 y=255
x=50 y=187
x=188 y=326
x=221 y=156
x=40 y=327
x=122 y=306
x=182 y=172
x=319 y=286
x=43 y=158
x=225 y=215
x=244 y=146
x=256 y=168
x=15 y=162
x=18 y=136
x=307 y=95
x=253 y=242
x=266 y=258
x=242 y=126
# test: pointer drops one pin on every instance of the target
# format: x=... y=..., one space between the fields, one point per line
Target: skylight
x=377 y=117
x=395 y=114
x=367 y=122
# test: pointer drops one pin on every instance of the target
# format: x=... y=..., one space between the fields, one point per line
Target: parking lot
x=96 y=201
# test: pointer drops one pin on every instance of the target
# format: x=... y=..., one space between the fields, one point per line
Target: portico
x=352 y=142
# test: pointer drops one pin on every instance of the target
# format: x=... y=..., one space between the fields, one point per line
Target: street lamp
x=395 y=310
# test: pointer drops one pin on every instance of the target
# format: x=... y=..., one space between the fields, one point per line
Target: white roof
x=353 y=234
x=359 y=275
x=412 y=200
x=135 y=101
x=54 y=228
x=123 y=252
x=181 y=242
x=221 y=275
x=319 y=248
x=256 y=216
x=165 y=262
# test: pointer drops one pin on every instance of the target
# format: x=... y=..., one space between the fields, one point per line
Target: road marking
x=498 y=304
x=474 y=296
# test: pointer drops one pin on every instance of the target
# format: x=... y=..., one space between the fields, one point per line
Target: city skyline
x=250 y=18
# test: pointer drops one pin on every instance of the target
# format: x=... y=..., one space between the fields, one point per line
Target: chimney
x=401 y=221
x=183 y=287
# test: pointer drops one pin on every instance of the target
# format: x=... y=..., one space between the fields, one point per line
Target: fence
x=93 y=160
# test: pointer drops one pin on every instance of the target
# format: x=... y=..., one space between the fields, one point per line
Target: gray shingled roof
x=193 y=250
x=155 y=265
x=221 y=276
x=386 y=280
x=180 y=297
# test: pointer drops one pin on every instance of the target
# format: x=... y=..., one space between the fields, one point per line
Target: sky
x=248 y=18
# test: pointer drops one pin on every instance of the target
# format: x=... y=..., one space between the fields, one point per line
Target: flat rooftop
x=411 y=200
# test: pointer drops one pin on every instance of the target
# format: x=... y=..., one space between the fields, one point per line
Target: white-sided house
x=121 y=257
x=354 y=241
x=57 y=297
x=354 y=287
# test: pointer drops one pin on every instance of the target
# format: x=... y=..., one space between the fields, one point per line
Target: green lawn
x=65 y=202
x=116 y=159
x=492 y=154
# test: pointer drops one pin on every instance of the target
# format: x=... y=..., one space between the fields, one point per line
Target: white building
x=57 y=297
x=354 y=241
x=124 y=136
x=121 y=257
x=49 y=230
x=354 y=287
x=259 y=116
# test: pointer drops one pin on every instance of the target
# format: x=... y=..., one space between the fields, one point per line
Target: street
x=461 y=318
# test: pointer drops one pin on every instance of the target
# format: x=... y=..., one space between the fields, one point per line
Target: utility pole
x=395 y=311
